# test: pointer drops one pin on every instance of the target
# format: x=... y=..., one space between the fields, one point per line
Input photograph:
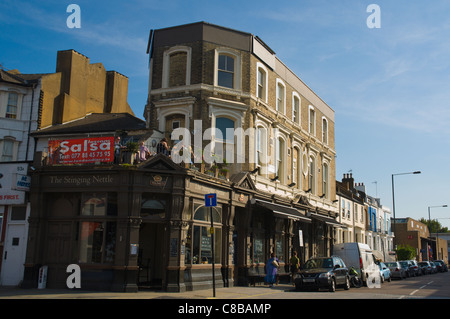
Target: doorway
x=14 y=255
x=151 y=258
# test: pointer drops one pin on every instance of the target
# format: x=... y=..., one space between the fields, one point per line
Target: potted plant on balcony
x=212 y=171
x=224 y=173
x=130 y=152
x=223 y=169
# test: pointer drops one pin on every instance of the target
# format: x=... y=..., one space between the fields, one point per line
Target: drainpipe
x=29 y=122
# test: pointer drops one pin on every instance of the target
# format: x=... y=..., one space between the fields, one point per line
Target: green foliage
x=133 y=147
x=434 y=226
x=406 y=252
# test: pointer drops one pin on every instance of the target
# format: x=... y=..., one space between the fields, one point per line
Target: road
x=434 y=286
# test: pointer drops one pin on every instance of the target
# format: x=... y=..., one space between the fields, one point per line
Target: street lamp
x=429 y=223
x=393 y=201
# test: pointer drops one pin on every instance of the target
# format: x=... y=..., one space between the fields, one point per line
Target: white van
x=359 y=256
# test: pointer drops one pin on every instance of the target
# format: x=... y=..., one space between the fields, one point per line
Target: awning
x=282 y=211
x=327 y=220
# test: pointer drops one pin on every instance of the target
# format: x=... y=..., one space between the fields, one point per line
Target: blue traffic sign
x=211 y=200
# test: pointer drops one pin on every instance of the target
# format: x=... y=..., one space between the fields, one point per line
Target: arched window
x=199 y=239
x=225 y=69
x=296 y=108
x=280 y=159
x=324 y=130
x=296 y=166
x=204 y=214
x=281 y=97
x=261 y=146
x=8 y=150
x=312 y=174
x=176 y=67
x=261 y=82
x=325 y=180
x=11 y=109
x=224 y=137
x=312 y=120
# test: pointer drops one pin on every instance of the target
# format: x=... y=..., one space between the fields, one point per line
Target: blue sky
x=389 y=87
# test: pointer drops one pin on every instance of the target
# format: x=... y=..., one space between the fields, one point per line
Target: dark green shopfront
x=147 y=227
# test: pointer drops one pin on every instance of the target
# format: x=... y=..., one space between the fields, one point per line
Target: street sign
x=300 y=238
x=211 y=200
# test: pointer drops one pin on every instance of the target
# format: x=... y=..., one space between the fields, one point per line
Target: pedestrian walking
x=294 y=264
x=271 y=270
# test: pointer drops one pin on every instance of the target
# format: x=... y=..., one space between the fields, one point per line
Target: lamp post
x=429 y=223
x=393 y=202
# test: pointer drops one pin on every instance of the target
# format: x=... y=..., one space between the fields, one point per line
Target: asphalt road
x=435 y=286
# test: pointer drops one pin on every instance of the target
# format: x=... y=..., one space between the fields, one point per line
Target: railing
x=221 y=171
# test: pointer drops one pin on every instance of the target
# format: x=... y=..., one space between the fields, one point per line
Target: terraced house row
x=135 y=220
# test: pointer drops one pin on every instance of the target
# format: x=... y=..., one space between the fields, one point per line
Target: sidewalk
x=221 y=293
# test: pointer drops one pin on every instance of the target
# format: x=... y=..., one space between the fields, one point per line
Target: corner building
x=277 y=193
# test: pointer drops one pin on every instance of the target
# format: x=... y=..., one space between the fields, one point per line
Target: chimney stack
x=348 y=181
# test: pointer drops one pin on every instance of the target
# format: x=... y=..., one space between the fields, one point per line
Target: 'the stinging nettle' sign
x=80 y=151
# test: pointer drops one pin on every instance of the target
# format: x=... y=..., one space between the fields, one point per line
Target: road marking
x=420 y=288
x=267 y=293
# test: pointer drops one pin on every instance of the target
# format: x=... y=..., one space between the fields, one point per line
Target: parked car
x=396 y=269
x=415 y=266
x=433 y=268
x=405 y=264
x=441 y=265
x=425 y=266
x=359 y=256
x=385 y=272
x=323 y=272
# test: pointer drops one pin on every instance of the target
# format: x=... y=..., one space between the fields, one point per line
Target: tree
x=434 y=226
x=406 y=252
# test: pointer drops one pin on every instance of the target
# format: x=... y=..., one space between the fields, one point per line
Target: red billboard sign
x=81 y=151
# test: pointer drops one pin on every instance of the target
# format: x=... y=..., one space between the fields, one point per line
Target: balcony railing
x=127 y=158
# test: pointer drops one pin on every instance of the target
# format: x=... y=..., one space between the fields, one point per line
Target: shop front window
x=258 y=248
x=99 y=204
x=97 y=242
x=199 y=236
x=257 y=254
x=280 y=244
x=201 y=246
x=279 y=247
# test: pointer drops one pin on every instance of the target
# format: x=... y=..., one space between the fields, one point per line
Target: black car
x=409 y=268
x=323 y=272
x=441 y=266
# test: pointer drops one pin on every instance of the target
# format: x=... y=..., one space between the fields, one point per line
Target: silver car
x=397 y=271
x=415 y=266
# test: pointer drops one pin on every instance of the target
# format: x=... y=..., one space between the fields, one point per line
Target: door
x=14 y=255
x=339 y=272
x=151 y=258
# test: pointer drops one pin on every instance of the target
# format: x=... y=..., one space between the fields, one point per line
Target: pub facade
x=147 y=226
